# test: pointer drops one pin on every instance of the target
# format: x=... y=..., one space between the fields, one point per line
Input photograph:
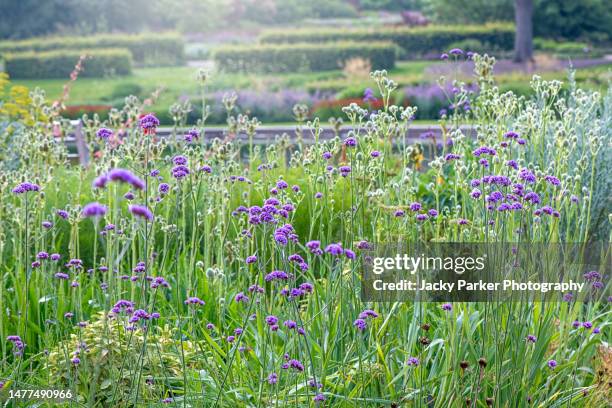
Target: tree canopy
x=559 y=19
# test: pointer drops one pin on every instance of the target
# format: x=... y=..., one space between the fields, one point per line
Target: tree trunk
x=523 y=39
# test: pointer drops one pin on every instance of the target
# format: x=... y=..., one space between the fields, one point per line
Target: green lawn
x=179 y=82
x=174 y=81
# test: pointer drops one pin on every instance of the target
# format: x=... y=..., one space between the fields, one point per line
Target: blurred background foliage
x=243 y=44
x=558 y=19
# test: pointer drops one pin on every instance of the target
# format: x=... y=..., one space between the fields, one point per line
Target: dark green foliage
x=59 y=64
x=286 y=11
x=303 y=57
x=414 y=42
x=394 y=5
x=560 y=19
x=146 y=49
x=572 y=19
x=469 y=11
x=29 y=18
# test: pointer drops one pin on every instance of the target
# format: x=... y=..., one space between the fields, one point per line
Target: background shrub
x=303 y=57
x=146 y=49
x=60 y=63
x=414 y=42
x=124 y=89
x=471 y=45
x=565 y=49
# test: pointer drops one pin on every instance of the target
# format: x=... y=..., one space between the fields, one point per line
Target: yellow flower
x=16 y=104
x=418 y=159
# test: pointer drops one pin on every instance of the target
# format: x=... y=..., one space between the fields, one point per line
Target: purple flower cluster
x=484 y=150
x=368 y=95
x=140 y=314
x=527 y=176
x=451 y=156
x=124 y=306
x=413 y=361
x=141 y=211
x=148 y=123
x=592 y=276
x=350 y=142
x=361 y=322
x=18 y=345
x=272 y=378
x=314 y=247
x=25 y=188
x=94 y=209
x=192 y=135
x=159 y=281
x=270 y=213
x=194 y=301
x=285 y=234
x=276 y=275
x=295 y=364
x=104 y=133
x=62 y=214
x=180 y=171
x=119 y=175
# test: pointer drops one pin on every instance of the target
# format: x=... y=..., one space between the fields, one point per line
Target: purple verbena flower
x=94 y=209
x=25 y=188
x=104 y=133
x=360 y=324
x=141 y=211
x=334 y=249
x=194 y=301
x=148 y=123
x=413 y=361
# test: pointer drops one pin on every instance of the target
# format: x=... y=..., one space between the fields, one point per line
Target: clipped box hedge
x=303 y=57
x=414 y=41
x=147 y=49
x=60 y=63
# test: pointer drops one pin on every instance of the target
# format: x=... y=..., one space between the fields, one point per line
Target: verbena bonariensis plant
x=174 y=271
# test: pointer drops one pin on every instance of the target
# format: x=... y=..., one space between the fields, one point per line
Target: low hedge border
x=269 y=58
x=60 y=63
x=414 y=41
x=147 y=49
